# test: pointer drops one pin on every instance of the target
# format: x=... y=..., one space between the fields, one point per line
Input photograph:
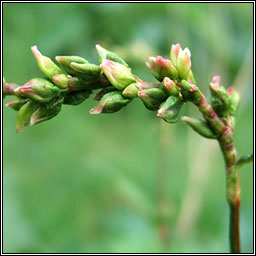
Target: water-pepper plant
x=113 y=85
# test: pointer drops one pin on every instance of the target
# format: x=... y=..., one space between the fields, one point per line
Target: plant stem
x=226 y=142
x=233 y=188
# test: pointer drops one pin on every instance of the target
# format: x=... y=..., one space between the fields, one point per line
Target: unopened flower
x=118 y=74
x=152 y=98
x=65 y=61
x=175 y=49
x=87 y=72
x=200 y=127
x=46 y=111
x=105 y=54
x=110 y=103
x=184 y=63
x=170 y=86
x=170 y=109
x=45 y=64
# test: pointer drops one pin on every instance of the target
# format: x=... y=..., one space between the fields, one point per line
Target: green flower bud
x=175 y=49
x=152 y=66
x=60 y=80
x=170 y=87
x=234 y=101
x=65 y=61
x=170 y=109
x=200 y=127
x=131 y=91
x=105 y=54
x=76 y=98
x=102 y=92
x=162 y=68
x=166 y=68
x=118 y=75
x=38 y=89
x=47 y=111
x=184 y=63
x=152 y=98
x=16 y=104
x=220 y=99
x=24 y=115
x=45 y=64
x=110 y=103
x=87 y=73
x=190 y=92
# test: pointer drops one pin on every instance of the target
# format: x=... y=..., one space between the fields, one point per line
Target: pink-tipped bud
x=38 y=89
x=175 y=49
x=110 y=103
x=216 y=81
x=184 y=63
x=45 y=64
x=118 y=75
x=161 y=68
x=170 y=86
x=152 y=66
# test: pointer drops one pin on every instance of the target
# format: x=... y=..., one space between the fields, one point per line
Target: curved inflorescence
x=41 y=99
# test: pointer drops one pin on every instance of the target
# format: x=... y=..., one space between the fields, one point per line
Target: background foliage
x=126 y=182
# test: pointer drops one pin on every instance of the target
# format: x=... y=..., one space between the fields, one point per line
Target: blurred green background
x=126 y=182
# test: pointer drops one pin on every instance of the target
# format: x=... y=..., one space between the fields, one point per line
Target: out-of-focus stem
x=233 y=188
x=225 y=138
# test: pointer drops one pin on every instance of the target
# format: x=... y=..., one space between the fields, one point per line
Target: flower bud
x=65 y=61
x=234 y=101
x=24 y=115
x=110 y=103
x=105 y=54
x=220 y=99
x=170 y=87
x=118 y=75
x=61 y=80
x=45 y=64
x=152 y=98
x=16 y=104
x=161 y=68
x=170 y=109
x=151 y=64
x=190 y=92
x=184 y=63
x=47 y=111
x=38 y=89
x=87 y=73
x=175 y=49
x=200 y=127
x=166 y=68
x=76 y=98
x=131 y=91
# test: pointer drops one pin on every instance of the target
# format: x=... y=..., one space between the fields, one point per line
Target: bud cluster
x=41 y=99
x=224 y=101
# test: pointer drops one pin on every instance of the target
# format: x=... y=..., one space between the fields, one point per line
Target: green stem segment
x=225 y=138
x=233 y=188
